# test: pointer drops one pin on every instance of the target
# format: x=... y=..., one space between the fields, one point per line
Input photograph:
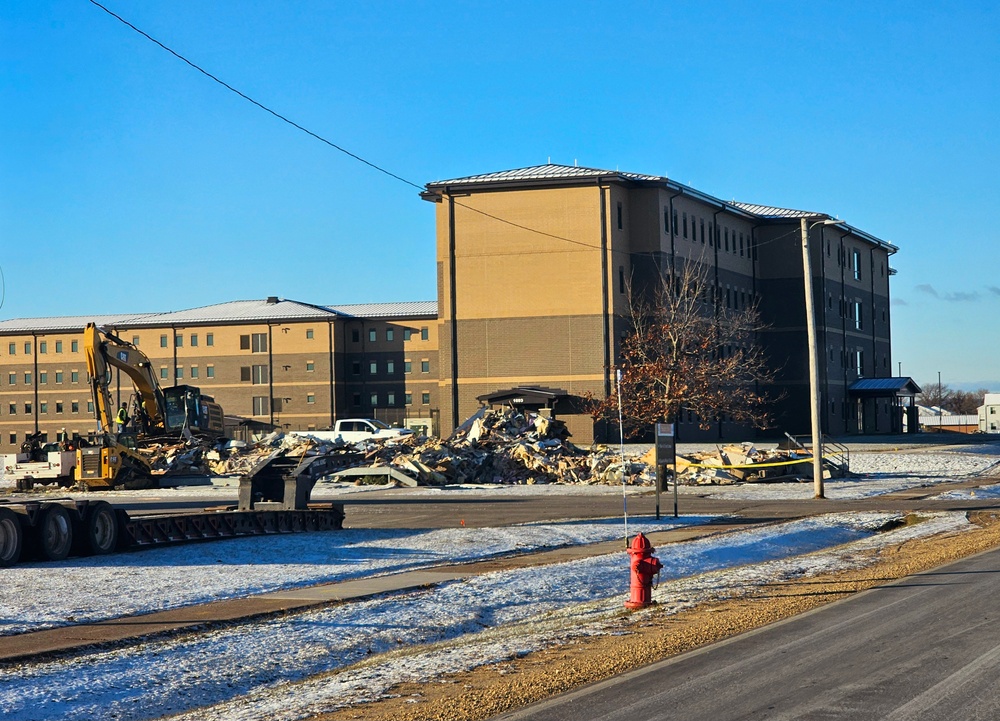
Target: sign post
x=666 y=455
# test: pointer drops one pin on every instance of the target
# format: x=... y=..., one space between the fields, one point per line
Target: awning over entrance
x=525 y=396
x=903 y=387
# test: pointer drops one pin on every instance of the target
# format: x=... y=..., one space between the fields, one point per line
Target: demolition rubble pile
x=494 y=446
x=741 y=463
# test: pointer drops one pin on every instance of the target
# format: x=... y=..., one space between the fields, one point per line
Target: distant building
x=989 y=414
x=273 y=362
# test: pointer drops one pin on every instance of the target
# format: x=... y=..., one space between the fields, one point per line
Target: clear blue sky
x=130 y=182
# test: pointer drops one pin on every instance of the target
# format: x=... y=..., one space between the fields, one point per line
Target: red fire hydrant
x=644 y=567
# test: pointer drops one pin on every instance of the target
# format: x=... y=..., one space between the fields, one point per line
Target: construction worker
x=122 y=419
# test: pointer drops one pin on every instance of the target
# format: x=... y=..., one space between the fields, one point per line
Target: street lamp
x=817 y=445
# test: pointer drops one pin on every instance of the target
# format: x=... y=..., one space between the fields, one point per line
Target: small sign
x=665 y=444
x=123 y=356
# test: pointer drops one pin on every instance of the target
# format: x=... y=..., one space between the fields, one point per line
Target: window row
x=179 y=340
x=390 y=399
x=45 y=406
x=727 y=240
x=390 y=367
x=43 y=377
x=390 y=334
x=43 y=347
x=193 y=372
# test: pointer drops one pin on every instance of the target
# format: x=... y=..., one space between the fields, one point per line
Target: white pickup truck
x=353 y=430
x=47 y=466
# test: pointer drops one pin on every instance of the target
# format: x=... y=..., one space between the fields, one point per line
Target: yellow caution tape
x=807 y=459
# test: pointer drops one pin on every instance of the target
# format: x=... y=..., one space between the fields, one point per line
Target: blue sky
x=130 y=182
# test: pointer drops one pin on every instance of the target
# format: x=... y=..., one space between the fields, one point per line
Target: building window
x=390 y=399
x=856 y=314
x=666 y=220
x=12 y=379
x=277 y=404
x=859 y=362
x=856 y=264
x=59 y=346
x=407 y=332
x=258 y=375
x=210 y=339
x=260 y=406
x=425 y=366
x=210 y=371
x=389 y=334
x=179 y=372
x=701 y=226
x=27 y=379
x=163 y=373
x=135 y=341
x=373 y=399
x=74 y=407
x=424 y=333
x=12 y=349
x=27 y=409
x=43 y=377
x=43 y=407
x=356 y=338
x=390 y=367
x=258 y=343
x=684 y=221
x=90 y=406
x=372 y=335
x=59 y=406
x=163 y=341
x=309 y=334
x=356 y=368
x=74 y=376
x=619 y=215
x=373 y=367
x=725 y=234
x=425 y=398
x=310 y=397
x=356 y=400
x=310 y=366
x=408 y=399
x=178 y=341
x=74 y=345
x=407 y=367
x=194 y=371
x=194 y=340
x=621 y=279
x=12 y=409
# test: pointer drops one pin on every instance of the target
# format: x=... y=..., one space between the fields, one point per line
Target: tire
x=11 y=538
x=53 y=533
x=97 y=532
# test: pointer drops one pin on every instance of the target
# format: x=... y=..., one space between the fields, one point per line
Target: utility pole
x=814 y=395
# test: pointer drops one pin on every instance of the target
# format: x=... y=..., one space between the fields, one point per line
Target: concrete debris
x=495 y=446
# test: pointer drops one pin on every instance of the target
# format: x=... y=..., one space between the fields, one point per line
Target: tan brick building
x=277 y=362
x=534 y=265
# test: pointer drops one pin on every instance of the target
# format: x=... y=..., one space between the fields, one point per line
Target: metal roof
x=884 y=386
x=236 y=311
x=770 y=211
x=387 y=310
x=548 y=171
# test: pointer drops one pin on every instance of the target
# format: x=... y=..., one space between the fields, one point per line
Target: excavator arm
x=105 y=350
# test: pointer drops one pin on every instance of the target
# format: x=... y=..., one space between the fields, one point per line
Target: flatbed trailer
x=274 y=498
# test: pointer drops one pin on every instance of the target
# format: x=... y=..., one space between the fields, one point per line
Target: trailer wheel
x=11 y=538
x=54 y=533
x=97 y=532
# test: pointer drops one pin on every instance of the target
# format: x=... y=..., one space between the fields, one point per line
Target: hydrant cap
x=640 y=544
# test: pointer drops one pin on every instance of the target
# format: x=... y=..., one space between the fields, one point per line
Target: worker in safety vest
x=122 y=419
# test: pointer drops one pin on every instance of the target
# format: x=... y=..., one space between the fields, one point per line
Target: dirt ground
x=653 y=636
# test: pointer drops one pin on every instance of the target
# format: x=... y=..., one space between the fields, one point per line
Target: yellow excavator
x=155 y=415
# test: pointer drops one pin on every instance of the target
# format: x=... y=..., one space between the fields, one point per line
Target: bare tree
x=935 y=395
x=966 y=403
x=687 y=349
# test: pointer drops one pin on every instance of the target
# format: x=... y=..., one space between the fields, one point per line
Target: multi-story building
x=273 y=362
x=534 y=267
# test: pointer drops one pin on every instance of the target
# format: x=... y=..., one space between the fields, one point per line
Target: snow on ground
x=291 y=666
x=288 y=667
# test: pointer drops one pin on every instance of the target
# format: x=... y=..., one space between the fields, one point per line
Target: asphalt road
x=924 y=648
